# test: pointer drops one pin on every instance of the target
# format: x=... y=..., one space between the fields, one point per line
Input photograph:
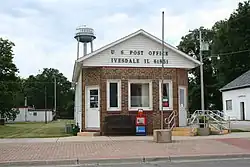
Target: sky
x=43 y=30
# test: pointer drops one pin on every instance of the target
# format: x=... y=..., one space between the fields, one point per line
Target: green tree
x=232 y=35
x=9 y=85
x=39 y=91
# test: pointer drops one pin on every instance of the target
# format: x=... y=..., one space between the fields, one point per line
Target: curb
x=67 y=162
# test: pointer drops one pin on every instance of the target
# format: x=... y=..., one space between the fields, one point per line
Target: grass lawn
x=34 y=129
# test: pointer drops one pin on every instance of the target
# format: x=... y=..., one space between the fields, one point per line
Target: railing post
x=174 y=120
x=168 y=124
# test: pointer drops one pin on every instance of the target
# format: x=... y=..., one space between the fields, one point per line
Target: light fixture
x=218 y=58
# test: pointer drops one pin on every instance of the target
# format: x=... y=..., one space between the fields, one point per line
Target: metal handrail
x=217 y=121
x=171 y=118
x=215 y=115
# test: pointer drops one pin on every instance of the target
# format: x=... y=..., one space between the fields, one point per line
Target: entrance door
x=92 y=108
x=182 y=106
x=242 y=111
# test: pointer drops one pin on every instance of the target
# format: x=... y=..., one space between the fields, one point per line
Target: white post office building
x=125 y=76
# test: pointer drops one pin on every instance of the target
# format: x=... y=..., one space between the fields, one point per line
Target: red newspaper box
x=141 y=123
x=140 y=119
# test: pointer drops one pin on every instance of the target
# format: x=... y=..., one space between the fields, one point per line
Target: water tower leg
x=84 y=49
x=91 y=44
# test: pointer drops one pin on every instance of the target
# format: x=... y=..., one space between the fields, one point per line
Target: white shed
x=236 y=98
x=33 y=115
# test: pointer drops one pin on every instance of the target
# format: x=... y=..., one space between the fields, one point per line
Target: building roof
x=240 y=82
x=78 y=62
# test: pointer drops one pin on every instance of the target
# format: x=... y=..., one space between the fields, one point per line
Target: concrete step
x=88 y=134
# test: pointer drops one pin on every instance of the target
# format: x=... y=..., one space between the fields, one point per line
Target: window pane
x=113 y=95
x=139 y=94
x=165 y=101
x=228 y=104
x=182 y=97
x=94 y=92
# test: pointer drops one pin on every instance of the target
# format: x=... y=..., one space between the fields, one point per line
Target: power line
x=230 y=53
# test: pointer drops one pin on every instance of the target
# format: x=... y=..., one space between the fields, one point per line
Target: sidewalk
x=120 y=149
x=121 y=138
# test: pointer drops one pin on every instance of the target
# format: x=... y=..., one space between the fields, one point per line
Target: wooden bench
x=119 y=125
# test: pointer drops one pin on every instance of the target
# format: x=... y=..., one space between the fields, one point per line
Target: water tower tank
x=84 y=35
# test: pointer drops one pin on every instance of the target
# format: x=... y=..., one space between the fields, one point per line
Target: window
x=113 y=95
x=167 y=99
x=228 y=104
x=34 y=113
x=140 y=95
x=93 y=99
x=182 y=97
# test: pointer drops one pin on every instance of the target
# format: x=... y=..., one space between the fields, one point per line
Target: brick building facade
x=125 y=75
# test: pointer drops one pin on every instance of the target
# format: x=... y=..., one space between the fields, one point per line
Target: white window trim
x=231 y=104
x=150 y=108
x=170 y=95
x=119 y=95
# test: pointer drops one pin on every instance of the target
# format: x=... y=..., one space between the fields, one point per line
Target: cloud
x=43 y=30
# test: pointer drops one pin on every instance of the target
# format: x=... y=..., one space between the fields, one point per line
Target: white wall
x=78 y=102
x=237 y=96
x=40 y=117
x=28 y=116
x=142 y=43
x=21 y=116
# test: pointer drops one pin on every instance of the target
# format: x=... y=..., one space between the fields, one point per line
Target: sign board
x=141 y=121
x=138 y=57
x=140 y=129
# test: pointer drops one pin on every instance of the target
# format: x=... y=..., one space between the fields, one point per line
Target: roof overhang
x=76 y=71
x=234 y=88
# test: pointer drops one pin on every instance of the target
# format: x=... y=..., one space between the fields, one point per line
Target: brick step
x=187 y=131
x=183 y=131
x=88 y=134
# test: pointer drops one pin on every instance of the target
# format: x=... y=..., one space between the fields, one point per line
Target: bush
x=75 y=129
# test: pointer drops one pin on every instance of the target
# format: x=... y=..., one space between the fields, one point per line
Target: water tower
x=84 y=35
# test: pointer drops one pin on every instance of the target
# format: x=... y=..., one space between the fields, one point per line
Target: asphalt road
x=202 y=163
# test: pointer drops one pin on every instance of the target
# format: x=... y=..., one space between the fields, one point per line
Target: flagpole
x=162 y=72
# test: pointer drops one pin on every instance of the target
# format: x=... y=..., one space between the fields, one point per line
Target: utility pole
x=55 y=94
x=162 y=72
x=45 y=103
x=201 y=71
x=203 y=47
x=25 y=101
x=26 y=107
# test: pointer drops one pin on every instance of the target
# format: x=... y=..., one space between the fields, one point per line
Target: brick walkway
x=116 y=149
